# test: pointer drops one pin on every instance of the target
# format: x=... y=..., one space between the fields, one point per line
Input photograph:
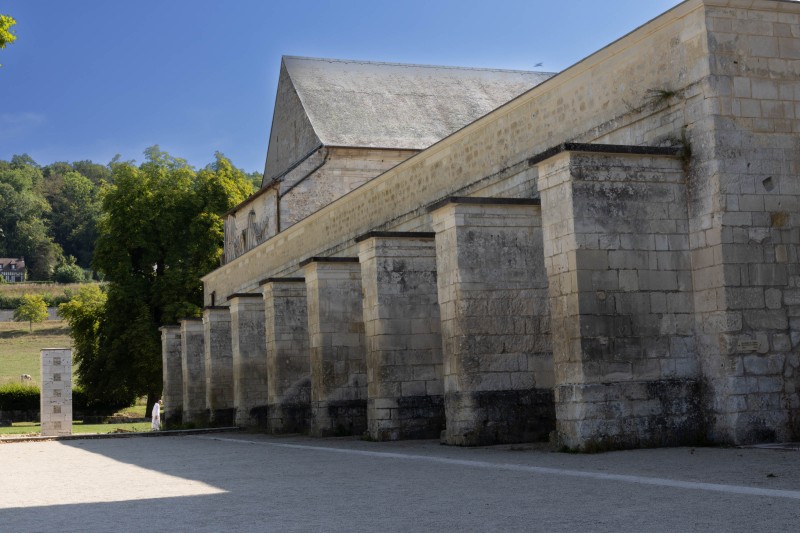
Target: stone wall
x=667 y=167
x=585 y=103
x=341 y=171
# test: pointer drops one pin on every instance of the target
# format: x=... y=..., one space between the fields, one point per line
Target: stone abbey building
x=607 y=256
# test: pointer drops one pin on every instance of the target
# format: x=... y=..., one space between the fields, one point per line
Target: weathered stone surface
x=402 y=334
x=193 y=372
x=218 y=365
x=603 y=331
x=492 y=288
x=661 y=268
x=288 y=359
x=337 y=347
x=249 y=359
x=172 y=393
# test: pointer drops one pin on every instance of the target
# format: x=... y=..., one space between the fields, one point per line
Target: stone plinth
x=249 y=351
x=193 y=372
x=617 y=255
x=498 y=373
x=172 y=371
x=288 y=359
x=402 y=333
x=56 y=392
x=336 y=342
x=219 y=365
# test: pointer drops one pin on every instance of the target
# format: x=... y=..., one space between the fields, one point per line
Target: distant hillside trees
x=23 y=217
x=48 y=215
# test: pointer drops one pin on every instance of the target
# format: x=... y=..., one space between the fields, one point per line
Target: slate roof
x=392 y=105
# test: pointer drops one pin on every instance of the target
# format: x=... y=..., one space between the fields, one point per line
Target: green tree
x=74 y=211
x=67 y=271
x=159 y=232
x=31 y=309
x=6 y=35
x=83 y=314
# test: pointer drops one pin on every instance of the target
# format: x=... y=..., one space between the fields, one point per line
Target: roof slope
x=391 y=105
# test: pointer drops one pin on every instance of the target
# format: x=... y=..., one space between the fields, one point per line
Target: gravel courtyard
x=249 y=482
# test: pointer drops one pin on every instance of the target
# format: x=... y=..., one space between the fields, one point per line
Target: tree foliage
x=32 y=309
x=83 y=314
x=7 y=36
x=49 y=212
x=159 y=232
x=67 y=271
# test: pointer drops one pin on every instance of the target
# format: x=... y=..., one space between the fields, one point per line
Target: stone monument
x=56 y=395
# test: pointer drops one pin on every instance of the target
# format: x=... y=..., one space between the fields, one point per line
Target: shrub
x=19 y=397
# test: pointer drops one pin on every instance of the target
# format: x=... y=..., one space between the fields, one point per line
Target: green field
x=13 y=290
x=20 y=349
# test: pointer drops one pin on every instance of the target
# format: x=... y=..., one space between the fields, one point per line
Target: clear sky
x=89 y=79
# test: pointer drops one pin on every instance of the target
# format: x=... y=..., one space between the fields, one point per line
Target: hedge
x=23 y=397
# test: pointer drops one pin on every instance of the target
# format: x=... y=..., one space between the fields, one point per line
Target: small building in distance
x=13 y=269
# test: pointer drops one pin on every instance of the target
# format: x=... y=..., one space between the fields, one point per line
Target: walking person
x=156 y=424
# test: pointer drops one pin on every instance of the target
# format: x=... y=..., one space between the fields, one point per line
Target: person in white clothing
x=156 y=425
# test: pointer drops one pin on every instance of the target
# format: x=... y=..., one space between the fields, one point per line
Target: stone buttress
x=249 y=352
x=498 y=367
x=172 y=393
x=288 y=360
x=336 y=342
x=219 y=365
x=403 y=339
x=618 y=261
x=193 y=372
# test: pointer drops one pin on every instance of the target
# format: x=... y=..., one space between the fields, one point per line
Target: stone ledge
x=277 y=280
x=216 y=308
x=244 y=295
x=328 y=260
x=397 y=235
x=604 y=149
x=471 y=200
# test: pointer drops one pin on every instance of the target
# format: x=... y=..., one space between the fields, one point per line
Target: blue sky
x=89 y=79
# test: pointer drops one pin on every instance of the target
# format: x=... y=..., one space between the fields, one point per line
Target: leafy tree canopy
x=7 y=36
x=32 y=309
x=160 y=230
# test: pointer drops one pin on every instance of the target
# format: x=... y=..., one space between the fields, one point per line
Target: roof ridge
x=414 y=65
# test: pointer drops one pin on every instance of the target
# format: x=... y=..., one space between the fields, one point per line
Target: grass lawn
x=19 y=348
x=33 y=428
